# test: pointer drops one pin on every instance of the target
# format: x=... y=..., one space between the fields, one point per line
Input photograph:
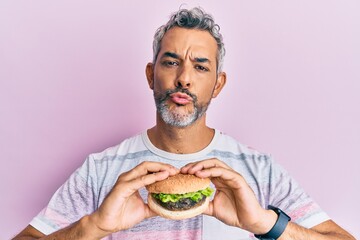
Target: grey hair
x=194 y=18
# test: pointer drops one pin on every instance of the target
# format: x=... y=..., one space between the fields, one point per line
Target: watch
x=279 y=227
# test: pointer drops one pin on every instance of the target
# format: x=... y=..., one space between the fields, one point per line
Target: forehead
x=189 y=42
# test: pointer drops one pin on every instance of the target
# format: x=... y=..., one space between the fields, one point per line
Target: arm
x=327 y=230
x=235 y=204
x=83 y=229
x=29 y=233
x=121 y=209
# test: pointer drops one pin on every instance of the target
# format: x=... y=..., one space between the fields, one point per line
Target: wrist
x=90 y=229
x=279 y=227
x=268 y=220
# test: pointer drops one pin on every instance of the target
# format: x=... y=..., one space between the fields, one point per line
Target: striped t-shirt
x=87 y=187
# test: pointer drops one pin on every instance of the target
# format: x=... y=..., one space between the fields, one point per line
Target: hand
x=234 y=202
x=123 y=207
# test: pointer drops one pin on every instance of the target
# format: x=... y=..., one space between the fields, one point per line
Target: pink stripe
x=157 y=235
x=56 y=218
x=305 y=210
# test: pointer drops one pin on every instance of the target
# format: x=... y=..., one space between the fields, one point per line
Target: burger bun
x=177 y=215
x=178 y=184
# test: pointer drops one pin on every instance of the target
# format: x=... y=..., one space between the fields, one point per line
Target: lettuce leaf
x=195 y=196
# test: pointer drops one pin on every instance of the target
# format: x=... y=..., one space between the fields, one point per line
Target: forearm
x=24 y=238
x=82 y=229
x=296 y=232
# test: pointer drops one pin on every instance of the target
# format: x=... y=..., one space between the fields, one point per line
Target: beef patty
x=182 y=204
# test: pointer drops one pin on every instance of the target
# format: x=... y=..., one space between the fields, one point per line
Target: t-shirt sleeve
x=286 y=194
x=76 y=198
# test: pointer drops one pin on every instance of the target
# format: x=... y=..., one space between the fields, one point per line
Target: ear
x=220 y=83
x=149 y=71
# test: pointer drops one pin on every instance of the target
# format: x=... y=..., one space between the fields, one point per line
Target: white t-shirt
x=87 y=187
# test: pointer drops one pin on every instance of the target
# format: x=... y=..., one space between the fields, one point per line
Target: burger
x=180 y=196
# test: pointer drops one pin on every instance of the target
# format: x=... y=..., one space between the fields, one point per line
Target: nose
x=184 y=77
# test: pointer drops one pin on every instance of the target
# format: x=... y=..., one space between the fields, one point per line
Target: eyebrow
x=171 y=54
x=202 y=60
x=176 y=56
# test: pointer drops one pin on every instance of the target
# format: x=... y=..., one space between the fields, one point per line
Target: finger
x=197 y=166
x=229 y=177
x=135 y=184
x=150 y=213
x=210 y=210
x=145 y=168
x=185 y=169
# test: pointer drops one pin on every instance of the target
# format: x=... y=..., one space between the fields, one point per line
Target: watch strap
x=279 y=227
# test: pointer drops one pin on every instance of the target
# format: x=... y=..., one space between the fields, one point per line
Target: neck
x=184 y=140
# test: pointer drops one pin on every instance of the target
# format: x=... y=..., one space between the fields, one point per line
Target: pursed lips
x=181 y=98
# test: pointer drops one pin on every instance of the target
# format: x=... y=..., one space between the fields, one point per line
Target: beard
x=175 y=118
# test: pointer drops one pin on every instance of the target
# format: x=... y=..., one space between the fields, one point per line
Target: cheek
x=163 y=80
x=204 y=94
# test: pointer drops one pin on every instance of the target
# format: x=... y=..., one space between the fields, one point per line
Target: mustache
x=162 y=97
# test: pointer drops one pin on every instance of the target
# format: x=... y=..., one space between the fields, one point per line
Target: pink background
x=72 y=82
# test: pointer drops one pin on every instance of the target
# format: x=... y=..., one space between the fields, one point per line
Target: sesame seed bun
x=179 y=184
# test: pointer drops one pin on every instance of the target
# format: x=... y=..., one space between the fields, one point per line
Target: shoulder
x=130 y=145
x=252 y=164
x=106 y=165
x=231 y=146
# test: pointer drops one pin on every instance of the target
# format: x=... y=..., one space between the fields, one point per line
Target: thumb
x=210 y=210
x=149 y=213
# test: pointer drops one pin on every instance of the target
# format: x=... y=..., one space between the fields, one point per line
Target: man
x=105 y=198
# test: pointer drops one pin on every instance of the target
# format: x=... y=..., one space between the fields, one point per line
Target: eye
x=201 y=68
x=170 y=63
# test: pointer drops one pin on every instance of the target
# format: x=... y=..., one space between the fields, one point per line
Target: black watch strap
x=279 y=227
